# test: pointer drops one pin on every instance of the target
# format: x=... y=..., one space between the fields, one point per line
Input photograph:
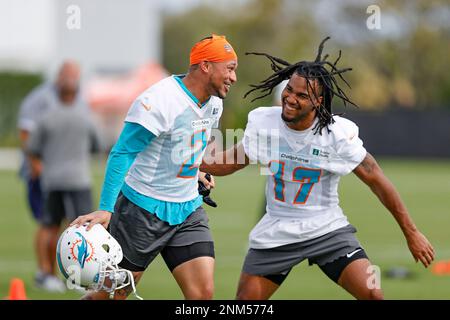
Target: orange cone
x=441 y=268
x=447 y=269
x=17 y=290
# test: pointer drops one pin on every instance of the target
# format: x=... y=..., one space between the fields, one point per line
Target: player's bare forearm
x=226 y=162
x=370 y=173
x=220 y=169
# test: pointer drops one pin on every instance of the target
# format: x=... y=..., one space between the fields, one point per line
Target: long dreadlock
x=310 y=70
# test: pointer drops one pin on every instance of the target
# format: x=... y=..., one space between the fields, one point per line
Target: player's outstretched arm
x=226 y=162
x=371 y=174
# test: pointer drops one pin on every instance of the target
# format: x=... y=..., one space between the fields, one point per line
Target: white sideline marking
x=10 y=158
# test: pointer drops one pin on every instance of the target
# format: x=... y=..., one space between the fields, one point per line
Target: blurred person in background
x=45 y=98
x=310 y=150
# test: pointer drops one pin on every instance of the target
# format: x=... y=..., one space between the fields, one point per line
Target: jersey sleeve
x=250 y=140
x=36 y=140
x=217 y=114
x=257 y=142
x=349 y=148
x=133 y=139
x=30 y=110
x=150 y=112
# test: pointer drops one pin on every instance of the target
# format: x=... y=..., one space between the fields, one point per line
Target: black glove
x=205 y=192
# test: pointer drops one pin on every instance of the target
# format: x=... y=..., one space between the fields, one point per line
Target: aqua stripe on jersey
x=171 y=212
x=133 y=139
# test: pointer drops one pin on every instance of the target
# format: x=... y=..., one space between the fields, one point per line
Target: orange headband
x=215 y=49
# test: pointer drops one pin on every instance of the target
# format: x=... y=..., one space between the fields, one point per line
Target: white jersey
x=168 y=168
x=302 y=189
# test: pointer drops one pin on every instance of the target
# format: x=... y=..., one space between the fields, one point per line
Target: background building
x=105 y=36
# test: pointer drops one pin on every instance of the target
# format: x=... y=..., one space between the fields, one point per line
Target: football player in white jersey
x=149 y=199
x=306 y=150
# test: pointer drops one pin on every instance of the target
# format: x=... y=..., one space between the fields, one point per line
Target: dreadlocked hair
x=310 y=70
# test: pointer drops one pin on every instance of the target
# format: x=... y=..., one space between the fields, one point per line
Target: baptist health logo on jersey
x=82 y=250
x=320 y=153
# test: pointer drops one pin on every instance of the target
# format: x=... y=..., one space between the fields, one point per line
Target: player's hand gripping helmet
x=89 y=259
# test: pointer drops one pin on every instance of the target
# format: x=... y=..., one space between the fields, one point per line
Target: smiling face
x=299 y=102
x=222 y=76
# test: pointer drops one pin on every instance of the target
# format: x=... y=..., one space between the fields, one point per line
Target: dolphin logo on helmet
x=83 y=251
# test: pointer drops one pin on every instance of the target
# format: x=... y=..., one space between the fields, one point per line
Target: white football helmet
x=89 y=260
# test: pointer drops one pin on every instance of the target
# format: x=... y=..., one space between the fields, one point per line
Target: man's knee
x=243 y=294
x=255 y=287
x=375 y=294
x=123 y=293
x=120 y=294
x=250 y=294
x=205 y=292
x=247 y=292
x=96 y=295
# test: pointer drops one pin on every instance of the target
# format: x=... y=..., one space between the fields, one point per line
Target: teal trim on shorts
x=171 y=212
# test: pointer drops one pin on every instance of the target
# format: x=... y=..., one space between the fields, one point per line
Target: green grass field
x=424 y=186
